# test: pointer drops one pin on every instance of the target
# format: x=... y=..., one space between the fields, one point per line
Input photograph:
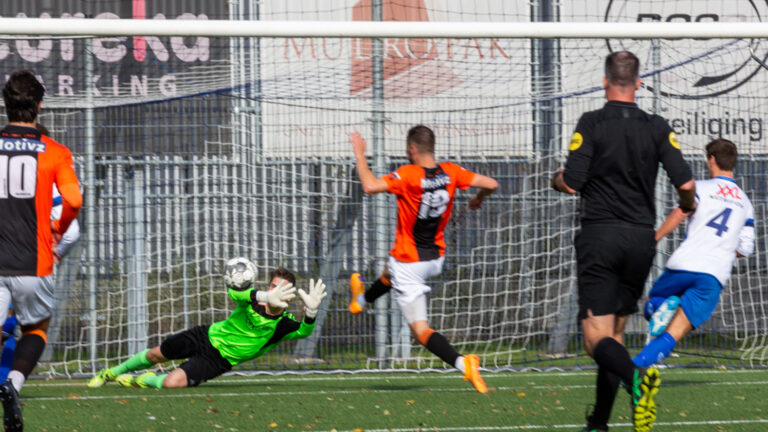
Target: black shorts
x=204 y=361
x=613 y=263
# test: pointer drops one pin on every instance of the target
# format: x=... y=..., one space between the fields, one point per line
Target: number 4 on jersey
x=720 y=221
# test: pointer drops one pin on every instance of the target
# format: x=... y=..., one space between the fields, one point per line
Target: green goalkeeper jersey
x=250 y=332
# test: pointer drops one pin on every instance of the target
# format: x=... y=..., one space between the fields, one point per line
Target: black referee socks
x=613 y=357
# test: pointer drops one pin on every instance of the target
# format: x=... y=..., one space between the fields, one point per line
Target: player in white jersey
x=70 y=237
x=721 y=229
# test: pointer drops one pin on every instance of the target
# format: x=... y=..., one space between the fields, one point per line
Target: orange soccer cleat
x=357 y=287
x=472 y=373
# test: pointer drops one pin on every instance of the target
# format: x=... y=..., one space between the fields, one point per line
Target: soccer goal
x=219 y=129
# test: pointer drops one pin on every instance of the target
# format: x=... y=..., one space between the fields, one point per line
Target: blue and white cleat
x=663 y=315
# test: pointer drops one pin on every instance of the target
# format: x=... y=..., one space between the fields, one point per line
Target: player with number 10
x=425 y=190
x=30 y=165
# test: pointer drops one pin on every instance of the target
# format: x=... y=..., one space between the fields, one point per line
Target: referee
x=613 y=162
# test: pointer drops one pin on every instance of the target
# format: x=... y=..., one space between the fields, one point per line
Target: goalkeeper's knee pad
x=651 y=305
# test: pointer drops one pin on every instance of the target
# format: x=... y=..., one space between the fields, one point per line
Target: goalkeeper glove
x=314 y=298
x=279 y=296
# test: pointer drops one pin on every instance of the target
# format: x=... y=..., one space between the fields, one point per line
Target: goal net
x=193 y=150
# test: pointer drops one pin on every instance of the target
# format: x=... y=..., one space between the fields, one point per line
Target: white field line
x=715 y=383
x=174 y=394
x=550 y=427
x=268 y=379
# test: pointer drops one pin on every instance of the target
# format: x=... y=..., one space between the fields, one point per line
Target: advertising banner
x=124 y=69
x=705 y=88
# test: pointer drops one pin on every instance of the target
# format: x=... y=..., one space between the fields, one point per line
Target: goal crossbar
x=385 y=29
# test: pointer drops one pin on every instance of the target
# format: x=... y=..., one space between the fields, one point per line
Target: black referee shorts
x=613 y=262
x=204 y=361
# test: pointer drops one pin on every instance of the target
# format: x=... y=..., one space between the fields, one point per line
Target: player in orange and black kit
x=30 y=164
x=425 y=191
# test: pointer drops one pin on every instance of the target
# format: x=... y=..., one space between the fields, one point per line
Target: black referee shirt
x=613 y=161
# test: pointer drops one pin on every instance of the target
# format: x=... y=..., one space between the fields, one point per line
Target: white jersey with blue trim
x=722 y=225
x=72 y=235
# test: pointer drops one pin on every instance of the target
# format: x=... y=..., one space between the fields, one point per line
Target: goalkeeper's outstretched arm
x=277 y=298
x=313 y=299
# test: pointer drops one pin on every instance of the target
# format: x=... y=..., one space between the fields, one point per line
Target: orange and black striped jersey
x=30 y=164
x=424 y=204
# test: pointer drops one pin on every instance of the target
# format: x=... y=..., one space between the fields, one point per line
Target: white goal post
x=384 y=29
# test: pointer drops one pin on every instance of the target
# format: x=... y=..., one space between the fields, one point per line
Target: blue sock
x=651 y=305
x=656 y=350
x=6 y=358
x=10 y=324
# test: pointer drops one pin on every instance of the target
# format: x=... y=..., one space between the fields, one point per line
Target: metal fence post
x=379 y=168
x=90 y=209
x=136 y=286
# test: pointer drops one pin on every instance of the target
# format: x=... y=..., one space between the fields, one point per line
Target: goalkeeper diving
x=258 y=324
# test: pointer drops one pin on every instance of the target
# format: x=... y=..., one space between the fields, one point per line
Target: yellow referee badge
x=672 y=140
x=576 y=141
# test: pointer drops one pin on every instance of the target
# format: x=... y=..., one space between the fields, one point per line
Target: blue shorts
x=699 y=293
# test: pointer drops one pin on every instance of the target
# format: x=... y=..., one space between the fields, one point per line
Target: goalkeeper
x=258 y=324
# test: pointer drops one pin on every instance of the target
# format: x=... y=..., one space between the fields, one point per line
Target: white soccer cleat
x=663 y=315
